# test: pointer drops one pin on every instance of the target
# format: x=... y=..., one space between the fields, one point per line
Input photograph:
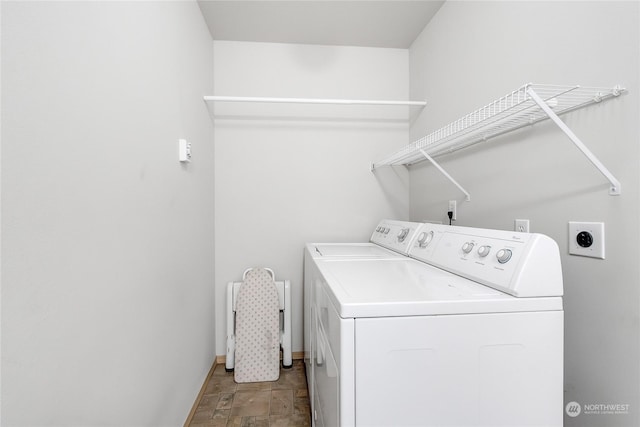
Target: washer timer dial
x=503 y=255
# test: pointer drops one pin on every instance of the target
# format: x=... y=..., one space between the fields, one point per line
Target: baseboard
x=202 y=390
x=296 y=355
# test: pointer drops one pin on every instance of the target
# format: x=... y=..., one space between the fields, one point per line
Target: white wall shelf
x=214 y=98
x=527 y=105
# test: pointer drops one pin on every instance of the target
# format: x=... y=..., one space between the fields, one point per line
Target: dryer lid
x=340 y=250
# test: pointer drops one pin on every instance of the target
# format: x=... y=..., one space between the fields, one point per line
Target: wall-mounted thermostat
x=184 y=150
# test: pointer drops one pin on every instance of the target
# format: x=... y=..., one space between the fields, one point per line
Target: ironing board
x=257 y=350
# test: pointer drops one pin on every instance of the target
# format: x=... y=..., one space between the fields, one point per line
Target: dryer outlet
x=586 y=239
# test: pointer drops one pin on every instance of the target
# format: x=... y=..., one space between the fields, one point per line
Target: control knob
x=403 y=234
x=503 y=255
x=467 y=247
x=425 y=238
x=483 y=251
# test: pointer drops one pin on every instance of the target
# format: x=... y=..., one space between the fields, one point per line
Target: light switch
x=184 y=150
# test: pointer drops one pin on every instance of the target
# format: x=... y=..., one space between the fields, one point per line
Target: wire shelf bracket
x=444 y=172
x=616 y=187
x=525 y=106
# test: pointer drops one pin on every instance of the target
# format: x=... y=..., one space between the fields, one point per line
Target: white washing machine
x=391 y=239
x=467 y=332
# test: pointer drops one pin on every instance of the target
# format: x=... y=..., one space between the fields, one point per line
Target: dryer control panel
x=395 y=235
x=521 y=264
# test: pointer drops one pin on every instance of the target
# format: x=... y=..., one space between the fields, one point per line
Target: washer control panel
x=426 y=241
x=395 y=235
x=522 y=264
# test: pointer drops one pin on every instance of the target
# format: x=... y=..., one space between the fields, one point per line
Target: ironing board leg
x=231 y=339
x=287 y=361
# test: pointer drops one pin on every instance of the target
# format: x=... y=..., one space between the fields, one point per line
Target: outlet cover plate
x=596 y=230
x=521 y=225
x=453 y=207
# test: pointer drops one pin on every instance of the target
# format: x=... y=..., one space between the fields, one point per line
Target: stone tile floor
x=284 y=402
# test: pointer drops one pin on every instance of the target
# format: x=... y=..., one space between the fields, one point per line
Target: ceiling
x=378 y=23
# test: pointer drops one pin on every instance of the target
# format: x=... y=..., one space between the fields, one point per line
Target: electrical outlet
x=453 y=208
x=521 y=225
x=586 y=239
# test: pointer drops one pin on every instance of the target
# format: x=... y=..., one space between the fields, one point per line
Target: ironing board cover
x=257 y=351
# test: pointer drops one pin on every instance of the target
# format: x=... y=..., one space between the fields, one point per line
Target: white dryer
x=391 y=239
x=469 y=332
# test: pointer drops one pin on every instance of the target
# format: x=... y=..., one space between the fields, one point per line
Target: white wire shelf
x=527 y=105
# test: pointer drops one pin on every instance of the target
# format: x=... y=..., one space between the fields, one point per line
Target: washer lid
x=405 y=287
x=350 y=250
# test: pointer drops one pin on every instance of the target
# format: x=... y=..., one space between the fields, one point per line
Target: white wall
x=107 y=241
x=474 y=52
x=286 y=175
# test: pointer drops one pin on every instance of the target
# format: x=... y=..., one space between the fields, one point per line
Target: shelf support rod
x=444 y=172
x=615 y=189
